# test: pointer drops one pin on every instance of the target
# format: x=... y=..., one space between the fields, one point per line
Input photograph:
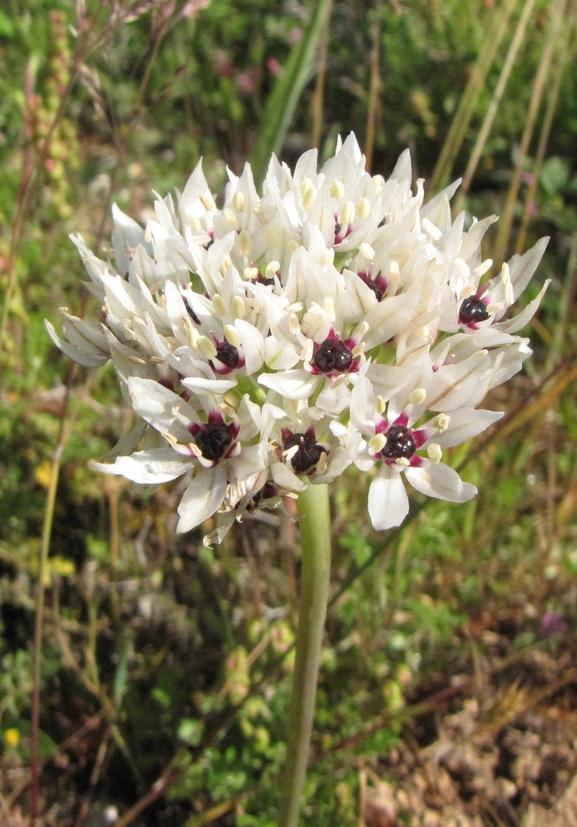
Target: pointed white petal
x=202 y=498
x=148 y=467
x=440 y=481
x=466 y=423
x=388 y=501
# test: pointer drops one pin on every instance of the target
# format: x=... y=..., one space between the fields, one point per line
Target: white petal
x=199 y=384
x=155 y=403
x=440 y=481
x=388 y=501
x=292 y=384
x=252 y=346
x=88 y=356
x=466 y=423
x=202 y=498
x=148 y=467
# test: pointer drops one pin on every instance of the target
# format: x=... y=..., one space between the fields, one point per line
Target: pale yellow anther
x=363 y=328
x=309 y=199
x=148 y=234
x=482 y=268
x=417 y=396
x=192 y=335
x=219 y=305
x=402 y=462
x=329 y=307
x=507 y=284
x=441 y=422
x=157 y=360
x=271 y=269
x=227 y=409
x=238 y=307
x=337 y=189
x=363 y=208
x=428 y=227
x=232 y=335
x=377 y=443
x=381 y=405
x=194 y=223
x=181 y=418
x=244 y=243
x=230 y=218
x=226 y=264
x=172 y=440
x=207 y=201
x=238 y=201
x=367 y=251
x=359 y=349
x=434 y=452
x=272 y=237
x=378 y=182
x=348 y=213
x=327 y=256
x=207 y=347
x=494 y=307
x=136 y=360
x=250 y=273
x=467 y=291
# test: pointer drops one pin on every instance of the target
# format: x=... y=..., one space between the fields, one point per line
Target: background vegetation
x=164 y=674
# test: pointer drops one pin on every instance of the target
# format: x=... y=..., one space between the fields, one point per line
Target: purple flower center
x=473 y=310
x=400 y=443
x=227 y=354
x=333 y=356
x=308 y=454
x=213 y=439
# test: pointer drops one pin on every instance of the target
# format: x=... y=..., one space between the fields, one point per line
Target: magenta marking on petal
x=381 y=427
x=215 y=417
x=416 y=461
x=402 y=419
x=420 y=437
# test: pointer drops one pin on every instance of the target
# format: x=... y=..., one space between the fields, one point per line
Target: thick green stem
x=315 y=529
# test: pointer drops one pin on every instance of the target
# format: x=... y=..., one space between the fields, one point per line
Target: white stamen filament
x=238 y=201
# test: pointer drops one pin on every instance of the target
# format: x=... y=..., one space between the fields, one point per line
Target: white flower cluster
x=268 y=344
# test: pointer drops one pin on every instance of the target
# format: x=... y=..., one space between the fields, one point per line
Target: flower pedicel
x=269 y=344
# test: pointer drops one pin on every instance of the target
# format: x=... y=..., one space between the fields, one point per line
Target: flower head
x=268 y=344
